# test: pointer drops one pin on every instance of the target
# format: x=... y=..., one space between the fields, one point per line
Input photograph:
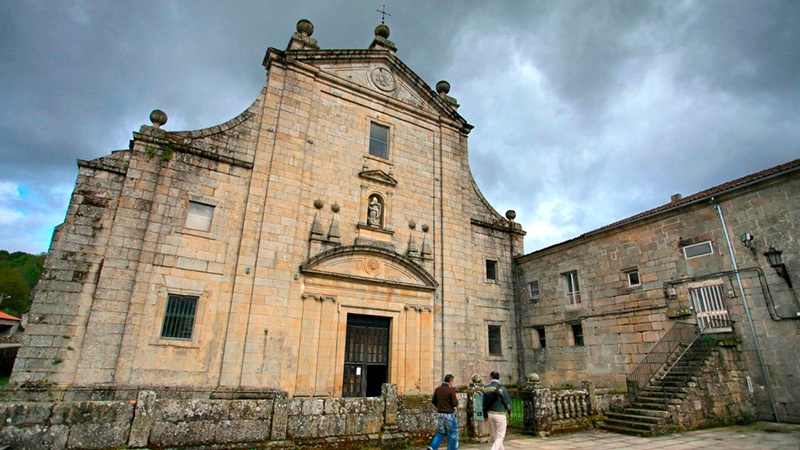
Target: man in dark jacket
x=496 y=403
x=445 y=401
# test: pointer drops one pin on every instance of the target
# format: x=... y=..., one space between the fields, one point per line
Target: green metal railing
x=516 y=410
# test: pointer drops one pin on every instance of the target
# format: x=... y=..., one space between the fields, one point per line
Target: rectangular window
x=633 y=278
x=198 y=216
x=533 y=289
x=491 y=270
x=378 y=140
x=577 y=334
x=179 y=317
x=495 y=340
x=542 y=337
x=571 y=287
x=697 y=250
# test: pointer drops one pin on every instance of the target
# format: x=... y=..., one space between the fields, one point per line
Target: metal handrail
x=700 y=334
x=658 y=356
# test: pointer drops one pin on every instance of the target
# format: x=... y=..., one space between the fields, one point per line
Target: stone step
x=662 y=414
x=628 y=417
x=629 y=431
x=632 y=424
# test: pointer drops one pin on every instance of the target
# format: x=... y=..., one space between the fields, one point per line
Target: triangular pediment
x=378 y=176
x=382 y=73
x=372 y=265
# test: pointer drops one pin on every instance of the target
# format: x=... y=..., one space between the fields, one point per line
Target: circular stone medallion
x=384 y=79
x=372 y=266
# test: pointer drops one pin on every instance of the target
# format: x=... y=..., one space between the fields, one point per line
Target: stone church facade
x=329 y=239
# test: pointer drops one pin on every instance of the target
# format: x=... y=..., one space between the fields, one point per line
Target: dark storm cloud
x=585 y=112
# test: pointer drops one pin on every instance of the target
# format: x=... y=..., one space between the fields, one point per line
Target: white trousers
x=497 y=430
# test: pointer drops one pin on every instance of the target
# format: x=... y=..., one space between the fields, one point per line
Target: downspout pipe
x=749 y=316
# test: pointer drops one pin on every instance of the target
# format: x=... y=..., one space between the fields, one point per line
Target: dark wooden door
x=366 y=355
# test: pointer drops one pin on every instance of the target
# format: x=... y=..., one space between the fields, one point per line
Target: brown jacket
x=444 y=399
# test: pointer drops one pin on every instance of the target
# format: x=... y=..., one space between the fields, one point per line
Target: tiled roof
x=730 y=185
x=8 y=317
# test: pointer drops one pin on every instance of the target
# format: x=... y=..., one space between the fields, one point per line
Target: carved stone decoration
x=383 y=79
x=319 y=297
x=375 y=214
x=372 y=266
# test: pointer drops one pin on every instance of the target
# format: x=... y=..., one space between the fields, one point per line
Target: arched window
x=375 y=211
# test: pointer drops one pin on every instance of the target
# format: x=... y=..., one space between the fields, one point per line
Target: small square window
x=633 y=278
x=198 y=216
x=378 y=140
x=491 y=270
x=495 y=340
x=542 y=337
x=533 y=289
x=697 y=250
x=571 y=287
x=179 y=317
x=577 y=334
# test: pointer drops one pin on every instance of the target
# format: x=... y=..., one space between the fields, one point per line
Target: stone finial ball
x=443 y=87
x=425 y=228
x=318 y=204
x=335 y=207
x=382 y=31
x=158 y=117
x=533 y=378
x=412 y=224
x=511 y=214
x=477 y=379
x=305 y=27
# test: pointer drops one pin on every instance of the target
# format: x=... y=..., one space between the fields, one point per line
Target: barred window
x=577 y=334
x=491 y=270
x=542 y=337
x=179 y=317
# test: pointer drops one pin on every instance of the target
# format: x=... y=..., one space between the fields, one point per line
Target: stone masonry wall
x=141 y=417
x=621 y=323
x=718 y=395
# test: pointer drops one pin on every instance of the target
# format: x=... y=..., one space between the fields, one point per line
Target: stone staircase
x=651 y=410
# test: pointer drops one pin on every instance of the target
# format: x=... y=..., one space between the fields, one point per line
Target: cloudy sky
x=584 y=112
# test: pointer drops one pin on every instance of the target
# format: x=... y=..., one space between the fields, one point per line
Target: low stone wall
x=97 y=417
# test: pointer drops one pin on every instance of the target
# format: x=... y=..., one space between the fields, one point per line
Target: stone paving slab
x=757 y=436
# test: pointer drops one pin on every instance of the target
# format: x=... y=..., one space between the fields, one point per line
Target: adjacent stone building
x=329 y=239
x=597 y=304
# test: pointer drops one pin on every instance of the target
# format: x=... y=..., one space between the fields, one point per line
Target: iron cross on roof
x=383 y=14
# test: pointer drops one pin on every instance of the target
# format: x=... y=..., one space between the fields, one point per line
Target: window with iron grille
x=491 y=270
x=495 y=340
x=179 y=317
x=378 y=140
x=542 y=337
x=577 y=334
x=571 y=287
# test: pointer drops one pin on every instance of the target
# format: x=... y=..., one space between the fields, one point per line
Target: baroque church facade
x=329 y=239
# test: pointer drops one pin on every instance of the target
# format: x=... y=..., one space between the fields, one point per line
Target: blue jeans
x=447 y=425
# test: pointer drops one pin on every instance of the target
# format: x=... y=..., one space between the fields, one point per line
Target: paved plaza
x=757 y=436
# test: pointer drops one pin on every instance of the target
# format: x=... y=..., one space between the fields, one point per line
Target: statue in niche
x=375 y=215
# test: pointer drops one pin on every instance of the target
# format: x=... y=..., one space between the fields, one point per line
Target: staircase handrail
x=700 y=333
x=658 y=356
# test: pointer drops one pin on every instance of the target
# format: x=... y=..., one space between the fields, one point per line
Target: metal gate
x=366 y=360
x=711 y=310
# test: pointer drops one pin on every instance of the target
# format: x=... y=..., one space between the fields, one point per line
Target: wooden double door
x=366 y=360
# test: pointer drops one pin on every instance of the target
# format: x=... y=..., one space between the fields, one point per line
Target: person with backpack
x=496 y=404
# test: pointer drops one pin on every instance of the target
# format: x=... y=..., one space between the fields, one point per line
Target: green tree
x=14 y=292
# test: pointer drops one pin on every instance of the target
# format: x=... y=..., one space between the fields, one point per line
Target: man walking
x=445 y=401
x=496 y=403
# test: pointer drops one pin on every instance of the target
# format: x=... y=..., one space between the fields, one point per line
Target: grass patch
x=3 y=381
